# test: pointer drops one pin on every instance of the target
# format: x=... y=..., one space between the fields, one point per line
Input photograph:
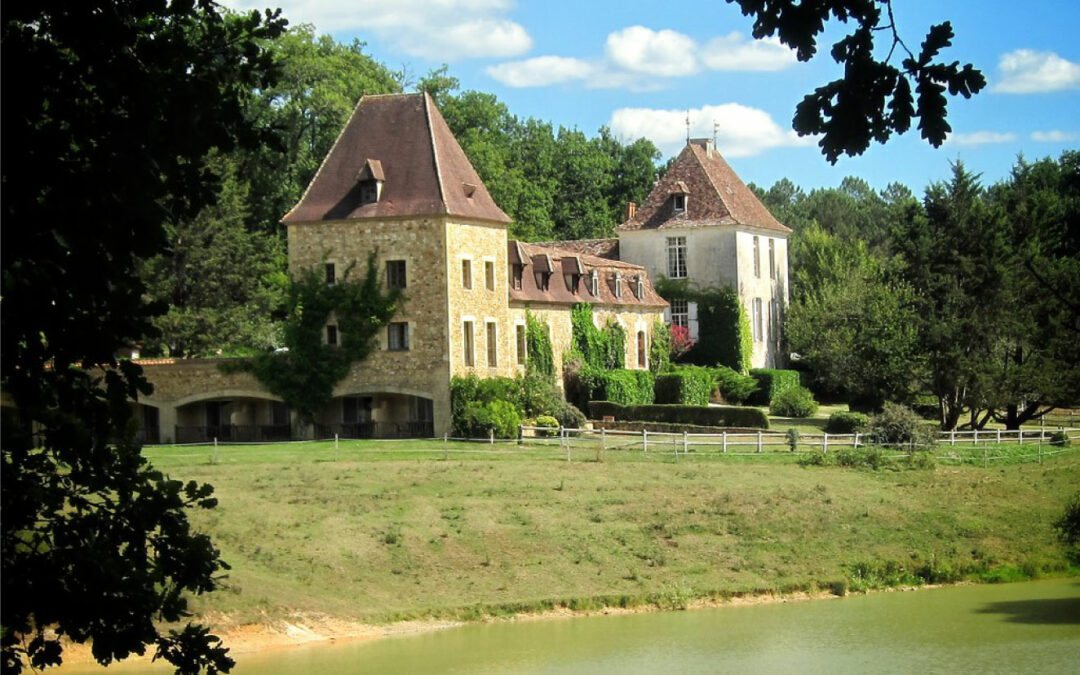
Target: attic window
x=573 y=282
x=679 y=202
x=594 y=283
x=639 y=287
x=517 y=274
x=543 y=279
x=371 y=179
x=618 y=284
x=469 y=189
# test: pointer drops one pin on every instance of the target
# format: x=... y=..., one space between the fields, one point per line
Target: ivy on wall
x=305 y=375
x=724 y=336
x=541 y=359
x=603 y=349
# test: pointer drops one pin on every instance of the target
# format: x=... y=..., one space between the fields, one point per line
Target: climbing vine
x=305 y=374
x=599 y=348
x=541 y=360
x=724 y=336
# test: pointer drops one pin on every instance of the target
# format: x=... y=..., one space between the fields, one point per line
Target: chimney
x=705 y=144
x=631 y=210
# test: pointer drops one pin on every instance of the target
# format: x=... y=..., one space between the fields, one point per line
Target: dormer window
x=679 y=194
x=594 y=283
x=543 y=279
x=572 y=272
x=639 y=287
x=618 y=284
x=542 y=270
x=517 y=273
x=370 y=179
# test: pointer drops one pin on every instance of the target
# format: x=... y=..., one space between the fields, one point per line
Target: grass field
x=378 y=532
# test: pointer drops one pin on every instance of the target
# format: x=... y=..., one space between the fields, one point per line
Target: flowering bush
x=680 y=341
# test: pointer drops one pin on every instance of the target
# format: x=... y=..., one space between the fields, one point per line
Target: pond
x=1024 y=627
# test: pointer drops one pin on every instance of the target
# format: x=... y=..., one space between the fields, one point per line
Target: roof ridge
x=435 y=152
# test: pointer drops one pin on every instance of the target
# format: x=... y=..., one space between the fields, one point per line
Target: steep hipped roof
x=561 y=262
x=402 y=140
x=715 y=196
x=600 y=248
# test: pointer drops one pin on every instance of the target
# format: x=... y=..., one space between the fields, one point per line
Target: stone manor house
x=397 y=183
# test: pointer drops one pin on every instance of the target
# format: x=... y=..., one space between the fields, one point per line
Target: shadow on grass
x=1058 y=611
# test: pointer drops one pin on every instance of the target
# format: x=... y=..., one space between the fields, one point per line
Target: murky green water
x=1014 y=628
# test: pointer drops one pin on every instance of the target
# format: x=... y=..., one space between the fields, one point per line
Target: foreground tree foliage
x=874 y=98
x=101 y=149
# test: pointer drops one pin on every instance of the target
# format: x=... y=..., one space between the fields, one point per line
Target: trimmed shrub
x=735 y=387
x=770 y=382
x=568 y=415
x=900 y=425
x=481 y=419
x=796 y=402
x=685 y=386
x=1059 y=439
x=628 y=387
x=709 y=416
x=846 y=422
x=546 y=425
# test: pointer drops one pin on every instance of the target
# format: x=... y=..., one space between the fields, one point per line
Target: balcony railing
x=234 y=433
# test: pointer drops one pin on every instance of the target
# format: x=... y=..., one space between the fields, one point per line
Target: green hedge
x=628 y=387
x=686 y=386
x=846 y=422
x=733 y=385
x=708 y=416
x=794 y=402
x=770 y=382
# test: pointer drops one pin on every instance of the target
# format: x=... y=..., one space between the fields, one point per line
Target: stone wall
x=422 y=370
x=766 y=352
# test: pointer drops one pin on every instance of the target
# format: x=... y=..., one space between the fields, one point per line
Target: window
x=641 y=349
x=676 y=257
x=355 y=409
x=639 y=287
x=489 y=274
x=331 y=334
x=397 y=336
x=757 y=258
x=680 y=313
x=573 y=282
x=369 y=191
x=594 y=283
x=679 y=202
x=331 y=274
x=466 y=274
x=543 y=279
x=772 y=259
x=395 y=274
x=757 y=321
x=492 y=344
x=518 y=272
x=519 y=331
x=774 y=321
x=618 y=284
x=467 y=342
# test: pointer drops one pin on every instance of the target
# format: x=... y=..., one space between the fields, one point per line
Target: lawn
x=377 y=532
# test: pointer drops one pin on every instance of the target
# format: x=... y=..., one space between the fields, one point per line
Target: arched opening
x=377 y=415
x=241 y=419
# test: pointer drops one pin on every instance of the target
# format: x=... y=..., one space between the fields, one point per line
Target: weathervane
x=715 y=128
x=688 y=126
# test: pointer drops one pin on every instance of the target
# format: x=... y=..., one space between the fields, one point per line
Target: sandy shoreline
x=299 y=630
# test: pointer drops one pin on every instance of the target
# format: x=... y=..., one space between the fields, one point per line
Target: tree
x=102 y=147
x=874 y=98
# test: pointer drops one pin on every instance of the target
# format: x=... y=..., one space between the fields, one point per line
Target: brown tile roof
x=600 y=248
x=403 y=140
x=561 y=262
x=715 y=196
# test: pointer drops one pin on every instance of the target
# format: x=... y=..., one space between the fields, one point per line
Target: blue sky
x=637 y=67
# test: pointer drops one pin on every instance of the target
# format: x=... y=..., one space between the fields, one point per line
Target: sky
x=638 y=67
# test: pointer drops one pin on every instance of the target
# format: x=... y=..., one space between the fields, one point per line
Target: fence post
x=566 y=443
x=215 y=458
x=335 y=447
x=976 y=441
x=999 y=436
x=824 y=443
x=759 y=440
x=684 y=441
x=952 y=437
x=723 y=437
x=603 y=438
x=521 y=434
x=856 y=440
x=645 y=439
x=445 y=447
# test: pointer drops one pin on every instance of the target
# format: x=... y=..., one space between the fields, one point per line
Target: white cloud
x=1054 y=136
x=980 y=138
x=540 y=71
x=436 y=29
x=642 y=50
x=1026 y=71
x=741 y=131
x=734 y=52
